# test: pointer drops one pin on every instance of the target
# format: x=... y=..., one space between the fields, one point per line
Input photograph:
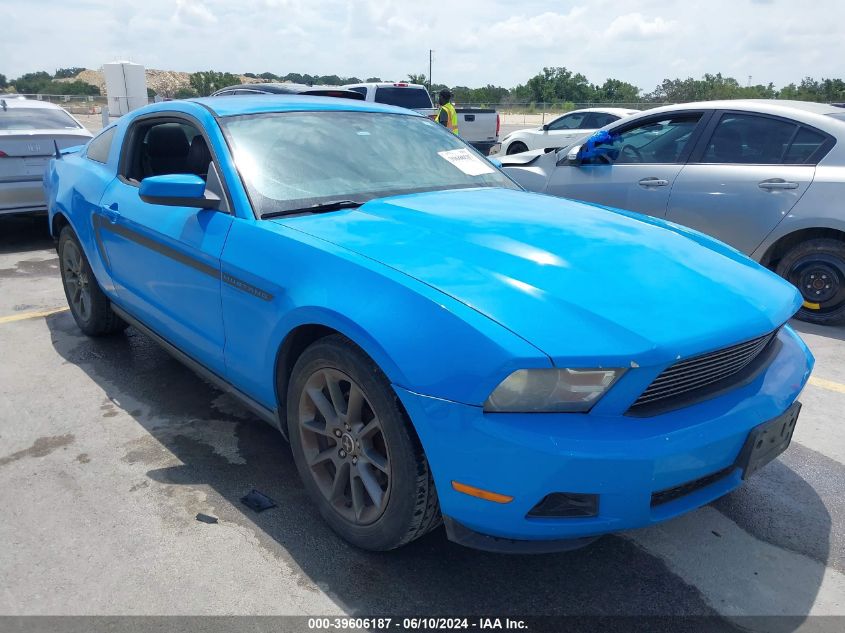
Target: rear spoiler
x=67 y=150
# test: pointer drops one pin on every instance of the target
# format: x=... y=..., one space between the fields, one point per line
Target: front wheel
x=90 y=307
x=355 y=450
x=517 y=147
x=817 y=268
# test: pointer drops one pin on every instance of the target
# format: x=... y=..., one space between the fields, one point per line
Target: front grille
x=670 y=494
x=682 y=379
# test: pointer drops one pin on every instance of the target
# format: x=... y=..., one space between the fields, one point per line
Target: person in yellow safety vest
x=447 y=116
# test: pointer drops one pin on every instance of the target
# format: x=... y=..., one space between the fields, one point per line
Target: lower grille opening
x=670 y=494
x=566 y=505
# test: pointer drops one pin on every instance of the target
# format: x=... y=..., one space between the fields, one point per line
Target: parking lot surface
x=109 y=449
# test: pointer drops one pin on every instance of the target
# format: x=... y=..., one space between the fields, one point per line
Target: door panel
x=738 y=204
x=636 y=168
x=737 y=186
x=640 y=188
x=165 y=263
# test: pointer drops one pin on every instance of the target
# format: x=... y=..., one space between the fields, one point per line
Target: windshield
x=838 y=115
x=36 y=119
x=294 y=160
x=403 y=97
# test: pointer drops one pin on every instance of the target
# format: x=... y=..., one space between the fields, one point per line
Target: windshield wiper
x=320 y=207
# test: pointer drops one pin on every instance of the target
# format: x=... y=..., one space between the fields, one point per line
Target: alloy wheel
x=344 y=446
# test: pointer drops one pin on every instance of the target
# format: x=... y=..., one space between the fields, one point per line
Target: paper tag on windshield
x=467 y=162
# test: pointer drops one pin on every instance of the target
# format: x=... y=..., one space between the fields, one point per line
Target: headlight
x=551 y=390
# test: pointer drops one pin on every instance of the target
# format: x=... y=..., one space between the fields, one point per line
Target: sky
x=475 y=42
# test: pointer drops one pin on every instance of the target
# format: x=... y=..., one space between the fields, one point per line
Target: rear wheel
x=90 y=307
x=817 y=269
x=355 y=450
x=516 y=147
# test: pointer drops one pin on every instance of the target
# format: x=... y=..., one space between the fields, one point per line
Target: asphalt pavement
x=109 y=449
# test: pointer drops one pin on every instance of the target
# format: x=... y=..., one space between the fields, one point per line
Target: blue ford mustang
x=436 y=343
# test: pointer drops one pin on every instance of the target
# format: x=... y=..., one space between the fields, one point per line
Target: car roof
x=770 y=106
x=14 y=101
x=255 y=104
x=385 y=84
x=619 y=111
x=281 y=88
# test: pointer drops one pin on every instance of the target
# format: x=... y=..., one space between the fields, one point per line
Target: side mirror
x=546 y=127
x=573 y=156
x=178 y=190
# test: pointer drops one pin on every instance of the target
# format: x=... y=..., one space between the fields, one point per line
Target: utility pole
x=430 y=51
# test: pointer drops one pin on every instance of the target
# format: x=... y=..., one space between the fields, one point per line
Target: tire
x=340 y=460
x=817 y=268
x=90 y=307
x=516 y=147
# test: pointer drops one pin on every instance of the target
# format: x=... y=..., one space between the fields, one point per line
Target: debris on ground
x=206 y=518
x=257 y=501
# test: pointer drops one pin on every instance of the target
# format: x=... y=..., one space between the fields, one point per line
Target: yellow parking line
x=23 y=316
x=827 y=384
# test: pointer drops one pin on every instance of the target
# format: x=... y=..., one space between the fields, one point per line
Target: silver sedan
x=765 y=176
x=29 y=133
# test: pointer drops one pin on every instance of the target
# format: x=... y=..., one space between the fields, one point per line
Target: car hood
x=583 y=284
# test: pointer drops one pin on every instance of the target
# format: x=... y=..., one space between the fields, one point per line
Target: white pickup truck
x=477 y=126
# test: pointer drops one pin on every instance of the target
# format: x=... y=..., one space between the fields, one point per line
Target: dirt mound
x=165 y=82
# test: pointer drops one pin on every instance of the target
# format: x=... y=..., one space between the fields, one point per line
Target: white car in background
x=30 y=131
x=563 y=130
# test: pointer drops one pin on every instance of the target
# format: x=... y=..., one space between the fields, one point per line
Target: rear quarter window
x=100 y=146
x=403 y=97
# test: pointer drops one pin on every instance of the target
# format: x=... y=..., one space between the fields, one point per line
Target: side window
x=749 y=139
x=569 y=122
x=225 y=93
x=804 y=147
x=360 y=89
x=599 y=119
x=100 y=146
x=165 y=147
x=652 y=142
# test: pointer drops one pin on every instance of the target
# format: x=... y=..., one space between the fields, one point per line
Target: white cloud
x=475 y=41
x=192 y=12
x=635 y=26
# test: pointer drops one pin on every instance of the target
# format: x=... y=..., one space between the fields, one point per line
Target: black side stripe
x=162 y=249
x=172 y=253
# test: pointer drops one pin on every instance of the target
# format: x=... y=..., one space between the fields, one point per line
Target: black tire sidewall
x=67 y=235
x=389 y=530
x=102 y=320
x=515 y=144
x=829 y=247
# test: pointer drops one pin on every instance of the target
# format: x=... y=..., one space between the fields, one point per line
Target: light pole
x=430 y=84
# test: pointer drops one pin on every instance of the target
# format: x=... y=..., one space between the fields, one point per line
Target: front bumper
x=624 y=460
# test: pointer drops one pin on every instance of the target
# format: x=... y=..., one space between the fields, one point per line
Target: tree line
x=555 y=86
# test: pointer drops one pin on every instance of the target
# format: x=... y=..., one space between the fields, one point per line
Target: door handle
x=653 y=182
x=777 y=183
x=112 y=212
